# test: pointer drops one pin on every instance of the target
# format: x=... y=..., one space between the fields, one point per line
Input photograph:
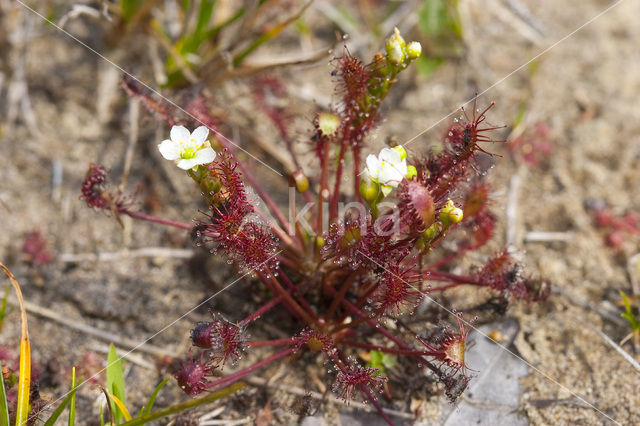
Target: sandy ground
x=585 y=88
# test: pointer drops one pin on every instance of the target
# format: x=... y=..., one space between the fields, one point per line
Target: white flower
x=191 y=149
x=388 y=168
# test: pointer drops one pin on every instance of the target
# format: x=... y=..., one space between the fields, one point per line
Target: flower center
x=188 y=153
x=455 y=352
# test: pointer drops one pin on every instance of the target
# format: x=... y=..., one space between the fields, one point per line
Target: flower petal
x=205 y=156
x=169 y=150
x=187 y=164
x=200 y=134
x=390 y=155
x=390 y=176
x=401 y=168
x=180 y=134
x=373 y=166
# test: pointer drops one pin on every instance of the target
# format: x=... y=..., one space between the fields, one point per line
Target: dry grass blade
x=24 y=380
x=119 y=403
x=621 y=351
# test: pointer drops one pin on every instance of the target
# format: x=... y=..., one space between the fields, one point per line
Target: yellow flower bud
x=450 y=214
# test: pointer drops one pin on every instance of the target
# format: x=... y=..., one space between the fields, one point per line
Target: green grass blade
x=4 y=408
x=72 y=403
x=192 y=42
x=115 y=381
x=629 y=315
x=152 y=399
x=58 y=411
x=185 y=405
x=269 y=34
x=204 y=15
x=213 y=32
x=130 y=7
x=3 y=307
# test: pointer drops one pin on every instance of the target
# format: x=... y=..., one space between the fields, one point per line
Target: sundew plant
x=353 y=261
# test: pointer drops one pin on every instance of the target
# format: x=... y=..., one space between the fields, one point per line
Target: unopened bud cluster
x=399 y=52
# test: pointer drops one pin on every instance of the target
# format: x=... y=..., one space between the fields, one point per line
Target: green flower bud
x=369 y=190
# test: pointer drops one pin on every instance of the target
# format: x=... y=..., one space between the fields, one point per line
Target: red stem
x=444 y=287
x=372 y=399
x=155 y=219
x=388 y=350
x=356 y=173
x=246 y=371
x=269 y=285
x=295 y=290
x=275 y=342
x=338 y=298
x=362 y=299
x=269 y=305
x=336 y=189
x=263 y=309
x=288 y=262
x=277 y=289
x=359 y=321
x=446 y=259
x=446 y=276
x=324 y=186
x=286 y=239
x=377 y=327
x=265 y=197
